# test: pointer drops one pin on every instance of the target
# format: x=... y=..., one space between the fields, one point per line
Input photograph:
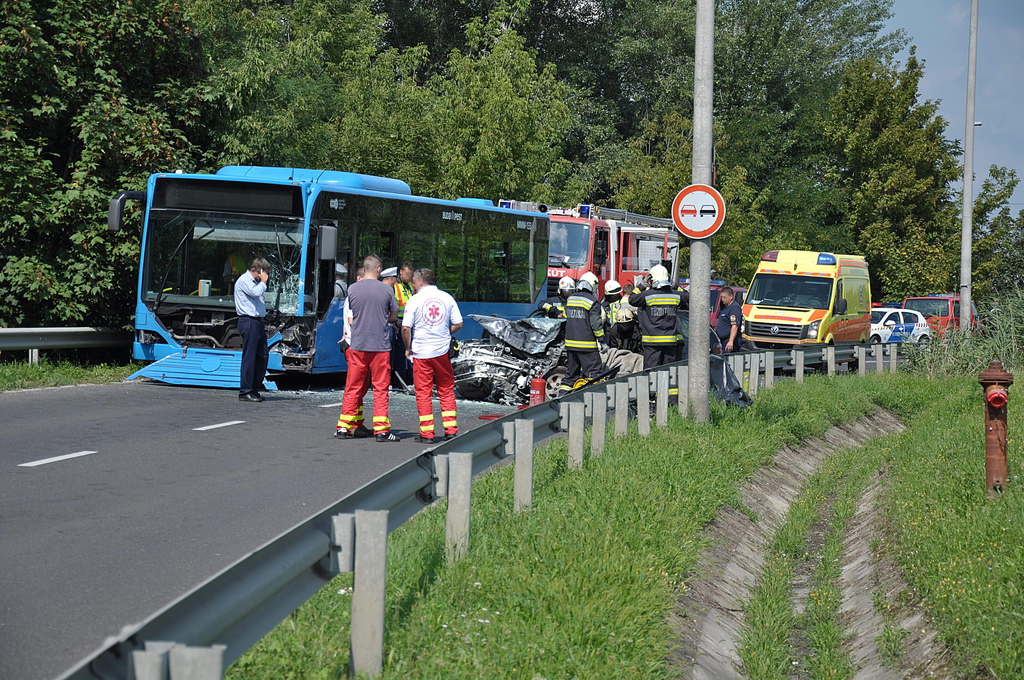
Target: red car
x=941 y=310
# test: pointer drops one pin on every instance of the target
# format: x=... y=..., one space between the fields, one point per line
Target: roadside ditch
x=879 y=631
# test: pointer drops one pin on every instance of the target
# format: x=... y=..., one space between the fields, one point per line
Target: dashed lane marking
x=55 y=459
x=214 y=427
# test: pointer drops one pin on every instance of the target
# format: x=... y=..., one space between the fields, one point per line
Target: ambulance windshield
x=784 y=290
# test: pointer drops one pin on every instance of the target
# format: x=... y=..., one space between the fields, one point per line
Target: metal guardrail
x=12 y=339
x=242 y=603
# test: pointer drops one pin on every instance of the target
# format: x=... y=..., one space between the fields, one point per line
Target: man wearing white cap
x=340 y=284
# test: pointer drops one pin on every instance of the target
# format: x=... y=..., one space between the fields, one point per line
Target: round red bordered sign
x=698 y=211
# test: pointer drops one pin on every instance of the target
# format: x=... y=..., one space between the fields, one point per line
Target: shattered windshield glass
x=195 y=258
x=569 y=244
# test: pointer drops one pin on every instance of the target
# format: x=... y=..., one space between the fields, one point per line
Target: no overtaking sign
x=698 y=211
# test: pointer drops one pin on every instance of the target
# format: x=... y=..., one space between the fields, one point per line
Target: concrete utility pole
x=967 y=235
x=700 y=249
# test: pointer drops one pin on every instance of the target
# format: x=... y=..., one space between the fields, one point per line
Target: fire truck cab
x=613 y=244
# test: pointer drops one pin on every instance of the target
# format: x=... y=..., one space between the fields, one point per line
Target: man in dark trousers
x=656 y=312
x=730 y=321
x=249 y=305
x=584 y=326
x=373 y=308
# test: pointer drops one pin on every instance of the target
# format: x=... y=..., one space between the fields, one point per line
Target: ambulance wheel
x=554 y=382
x=875 y=340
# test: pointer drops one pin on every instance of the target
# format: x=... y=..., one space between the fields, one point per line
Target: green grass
x=961 y=549
x=581 y=585
x=22 y=375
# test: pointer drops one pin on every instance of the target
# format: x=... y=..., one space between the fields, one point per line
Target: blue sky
x=941 y=30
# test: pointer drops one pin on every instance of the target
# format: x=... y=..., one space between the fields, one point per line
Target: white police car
x=899 y=325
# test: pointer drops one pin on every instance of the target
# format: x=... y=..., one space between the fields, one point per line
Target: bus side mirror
x=841 y=306
x=328 y=236
x=115 y=213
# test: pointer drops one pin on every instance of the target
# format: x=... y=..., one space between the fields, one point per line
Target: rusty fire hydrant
x=995 y=382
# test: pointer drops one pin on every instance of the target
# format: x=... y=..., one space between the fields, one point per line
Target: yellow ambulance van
x=800 y=297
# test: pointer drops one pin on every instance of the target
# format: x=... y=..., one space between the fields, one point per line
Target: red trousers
x=364 y=368
x=425 y=374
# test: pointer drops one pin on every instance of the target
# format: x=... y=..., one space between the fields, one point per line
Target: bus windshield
x=196 y=257
x=569 y=244
x=783 y=290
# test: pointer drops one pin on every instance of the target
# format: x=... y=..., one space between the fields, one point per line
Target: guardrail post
x=33 y=356
x=522 y=482
x=798 y=359
x=197 y=663
x=367 y=638
x=151 y=663
x=769 y=370
x=862 y=360
x=755 y=374
x=661 y=408
x=460 y=485
x=343 y=543
x=682 y=385
x=563 y=415
x=893 y=358
x=598 y=423
x=577 y=418
x=588 y=405
x=643 y=404
x=830 y=353
x=621 y=408
x=879 y=351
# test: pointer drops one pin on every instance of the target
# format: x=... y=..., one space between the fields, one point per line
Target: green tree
x=499 y=120
x=998 y=254
x=94 y=97
x=895 y=166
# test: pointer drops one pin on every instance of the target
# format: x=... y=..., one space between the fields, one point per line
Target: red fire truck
x=611 y=243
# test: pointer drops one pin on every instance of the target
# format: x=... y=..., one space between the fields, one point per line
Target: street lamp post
x=966 y=235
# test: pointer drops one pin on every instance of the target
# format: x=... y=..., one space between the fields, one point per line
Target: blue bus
x=201 y=231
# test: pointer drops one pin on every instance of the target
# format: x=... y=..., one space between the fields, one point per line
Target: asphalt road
x=93 y=543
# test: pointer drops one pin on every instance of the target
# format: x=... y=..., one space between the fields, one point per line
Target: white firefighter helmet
x=588 y=282
x=566 y=283
x=659 y=276
x=612 y=287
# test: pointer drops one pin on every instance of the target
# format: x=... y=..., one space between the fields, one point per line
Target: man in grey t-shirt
x=373 y=307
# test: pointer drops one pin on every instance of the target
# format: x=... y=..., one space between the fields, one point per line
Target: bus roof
x=343 y=182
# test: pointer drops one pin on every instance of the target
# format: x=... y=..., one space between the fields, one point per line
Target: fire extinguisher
x=538 y=390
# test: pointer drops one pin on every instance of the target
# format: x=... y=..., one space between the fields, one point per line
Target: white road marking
x=214 y=427
x=55 y=459
x=331 y=405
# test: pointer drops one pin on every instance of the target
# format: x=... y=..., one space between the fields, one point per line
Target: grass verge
x=581 y=585
x=22 y=375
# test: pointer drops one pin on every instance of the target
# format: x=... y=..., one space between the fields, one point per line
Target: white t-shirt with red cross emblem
x=430 y=313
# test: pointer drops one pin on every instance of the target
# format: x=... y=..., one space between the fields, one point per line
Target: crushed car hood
x=531 y=335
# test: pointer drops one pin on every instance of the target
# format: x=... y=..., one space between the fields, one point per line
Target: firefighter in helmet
x=554 y=306
x=659 y=324
x=584 y=330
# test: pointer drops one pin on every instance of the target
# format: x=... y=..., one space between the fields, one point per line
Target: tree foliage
x=820 y=141
x=94 y=95
x=895 y=166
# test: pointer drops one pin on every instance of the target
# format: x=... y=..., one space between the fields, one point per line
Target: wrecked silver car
x=500 y=366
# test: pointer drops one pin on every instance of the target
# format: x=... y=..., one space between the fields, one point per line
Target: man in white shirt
x=431 y=318
x=251 y=310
